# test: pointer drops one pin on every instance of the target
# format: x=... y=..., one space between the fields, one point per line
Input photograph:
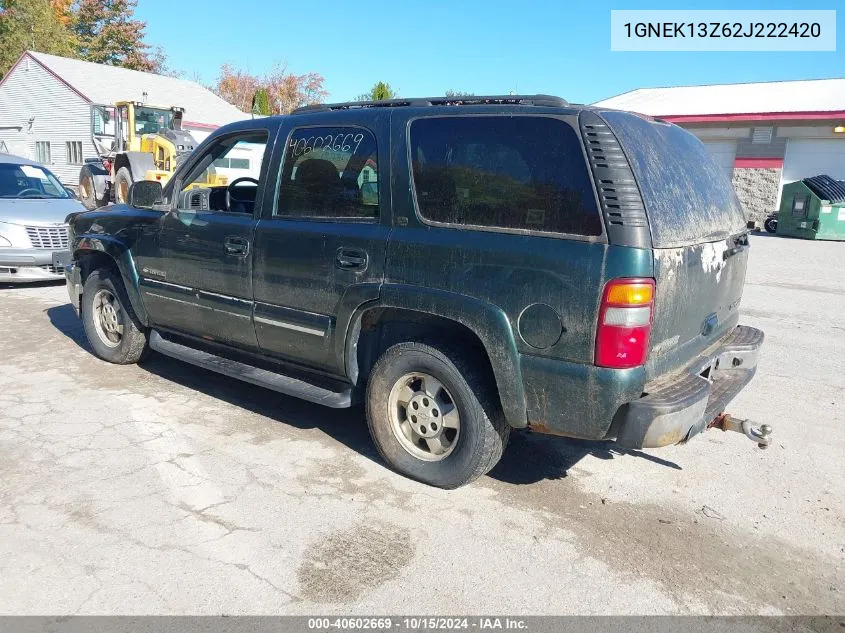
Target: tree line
x=100 y=31
x=107 y=32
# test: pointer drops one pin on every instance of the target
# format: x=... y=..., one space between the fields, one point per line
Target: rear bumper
x=676 y=409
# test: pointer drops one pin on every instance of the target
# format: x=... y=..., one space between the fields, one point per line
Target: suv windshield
x=29 y=181
x=151 y=120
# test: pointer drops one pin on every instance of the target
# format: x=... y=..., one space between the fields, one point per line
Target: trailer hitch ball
x=761 y=435
x=765 y=432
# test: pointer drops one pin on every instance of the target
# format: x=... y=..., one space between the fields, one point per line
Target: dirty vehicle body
x=464 y=267
x=135 y=141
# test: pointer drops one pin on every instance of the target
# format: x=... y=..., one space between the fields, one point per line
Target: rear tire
x=110 y=324
x=88 y=191
x=122 y=182
x=434 y=415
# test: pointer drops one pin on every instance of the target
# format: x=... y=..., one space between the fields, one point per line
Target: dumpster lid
x=826 y=188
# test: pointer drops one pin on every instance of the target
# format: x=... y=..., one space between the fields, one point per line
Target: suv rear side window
x=329 y=173
x=518 y=173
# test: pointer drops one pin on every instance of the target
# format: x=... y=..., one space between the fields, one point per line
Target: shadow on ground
x=532 y=457
x=31 y=284
x=529 y=458
x=64 y=319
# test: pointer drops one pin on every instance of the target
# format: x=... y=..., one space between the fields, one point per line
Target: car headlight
x=4 y=241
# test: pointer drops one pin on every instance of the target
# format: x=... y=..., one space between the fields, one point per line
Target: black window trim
x=316 y=218
x=566 y=120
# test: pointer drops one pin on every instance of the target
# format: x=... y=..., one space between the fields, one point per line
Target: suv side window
x=329 y=173
x=234 y=159
x=525 y=173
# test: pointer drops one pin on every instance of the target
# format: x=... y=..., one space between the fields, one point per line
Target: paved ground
x=165 y=489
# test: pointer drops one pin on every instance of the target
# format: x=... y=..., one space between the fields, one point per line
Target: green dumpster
x=813 y=208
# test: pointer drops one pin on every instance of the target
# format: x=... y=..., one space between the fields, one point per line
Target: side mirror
x=751 y=224
x=144 y=194
x=71 y=193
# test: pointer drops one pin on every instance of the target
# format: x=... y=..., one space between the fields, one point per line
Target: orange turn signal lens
x=636 y=293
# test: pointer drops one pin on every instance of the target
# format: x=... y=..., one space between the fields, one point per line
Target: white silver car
x=33 y=208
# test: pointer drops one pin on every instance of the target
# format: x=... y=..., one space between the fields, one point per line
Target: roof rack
x=532 y=100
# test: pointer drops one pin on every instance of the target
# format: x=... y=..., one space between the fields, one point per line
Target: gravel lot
x=162 y=488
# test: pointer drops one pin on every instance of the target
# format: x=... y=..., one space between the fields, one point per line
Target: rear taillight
x=625 y=318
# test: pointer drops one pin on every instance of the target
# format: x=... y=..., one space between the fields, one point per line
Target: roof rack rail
x=533 y=100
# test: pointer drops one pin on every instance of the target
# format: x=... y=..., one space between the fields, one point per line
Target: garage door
x=811 y=157
x=724 y=153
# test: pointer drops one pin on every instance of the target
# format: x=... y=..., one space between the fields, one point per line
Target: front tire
x=110 y=324
x=434 y=415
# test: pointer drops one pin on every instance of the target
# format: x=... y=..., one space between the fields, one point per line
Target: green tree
x=261 y=102
x=379 y=92
x=108 y=33
x=31 y=25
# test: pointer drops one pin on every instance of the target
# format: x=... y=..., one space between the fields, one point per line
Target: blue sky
x=484 y=47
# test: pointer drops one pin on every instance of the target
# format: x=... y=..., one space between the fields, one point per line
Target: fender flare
x=99 y=175
x=139 y=164
x=122 y=259
x=486 y=320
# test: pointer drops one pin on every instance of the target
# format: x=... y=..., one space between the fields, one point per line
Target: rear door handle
x=351 y=259
x=234 y=245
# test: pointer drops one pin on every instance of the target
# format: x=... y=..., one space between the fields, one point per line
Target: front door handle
x=351 y=259
x=234 y=245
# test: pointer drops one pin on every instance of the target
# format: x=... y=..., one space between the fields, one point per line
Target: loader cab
x=120 y=128
x=136 y=120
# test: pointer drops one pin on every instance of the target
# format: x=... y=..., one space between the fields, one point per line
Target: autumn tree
x=379 y=92
x=285 y=91
x=457 y=94
x=107 y=32
x=236 y=86
x=63 y=10
x=288 y=91
x=31 y=25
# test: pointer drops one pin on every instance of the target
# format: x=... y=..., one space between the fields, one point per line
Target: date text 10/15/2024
x=417 y=624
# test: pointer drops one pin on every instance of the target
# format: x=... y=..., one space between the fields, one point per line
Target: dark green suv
x=462 y=266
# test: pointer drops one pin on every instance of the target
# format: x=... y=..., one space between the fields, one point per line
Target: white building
x=46 y=107
x=764 y=134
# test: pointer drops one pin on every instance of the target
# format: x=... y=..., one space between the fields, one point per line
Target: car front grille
x=53 y=237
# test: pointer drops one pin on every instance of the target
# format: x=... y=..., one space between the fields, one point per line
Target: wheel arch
x=417 y=314
x=138 y=163
x=97 y=253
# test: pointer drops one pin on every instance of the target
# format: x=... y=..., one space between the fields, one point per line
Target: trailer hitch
x=762 y=435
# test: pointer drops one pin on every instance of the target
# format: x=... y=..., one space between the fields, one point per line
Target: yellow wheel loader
x=135 y=141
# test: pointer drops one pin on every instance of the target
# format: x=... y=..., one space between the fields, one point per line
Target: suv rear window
x=517 y=173
x=687 y=195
